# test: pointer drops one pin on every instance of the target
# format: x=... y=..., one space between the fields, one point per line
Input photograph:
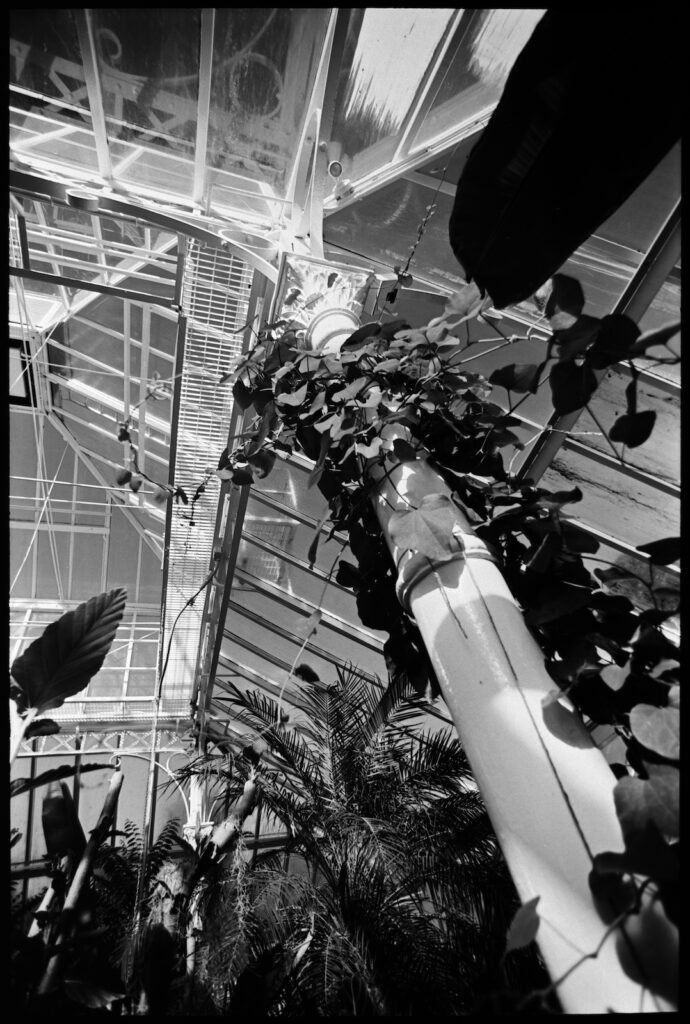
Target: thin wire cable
x=35 y=532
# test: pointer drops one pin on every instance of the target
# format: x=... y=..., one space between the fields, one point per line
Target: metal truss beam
x=117 y=743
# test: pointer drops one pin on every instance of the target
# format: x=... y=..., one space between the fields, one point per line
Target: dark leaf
x=348 y=575
x=524 y=926
x=361 y=337
x=576 y=339
x=70 y=652
x=614 y=893
x=313 y=547
x=15 y=836
x=578 y=540
x=633 y=430
x=123 y=477
x=572 y=386
x=242 y=395
x=180 y=496
x=404 y=451
x=659 y=336
x=135 y=483
x=556 y=600
x=561 y=293
x=123 y=433
x=545 y=553
x=646 y=853
x=263 y=462
x=41 y=727
x=65 y=771
x=616 y=337
x=657 y=729
x=389 y=330
x=224 y=459
x=631 y=397
x=242 y=476
x=662 y=552
x=62 y=830
x=656 y=799
x=518 y=377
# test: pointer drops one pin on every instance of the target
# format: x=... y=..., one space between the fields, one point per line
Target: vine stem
x=614 y=926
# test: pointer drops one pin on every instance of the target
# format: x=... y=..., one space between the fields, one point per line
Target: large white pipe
x=547 y=788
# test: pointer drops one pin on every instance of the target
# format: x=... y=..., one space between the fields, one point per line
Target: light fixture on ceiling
x=323 y=302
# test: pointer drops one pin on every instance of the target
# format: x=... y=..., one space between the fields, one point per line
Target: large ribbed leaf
x=64 y=771
x=61 y=662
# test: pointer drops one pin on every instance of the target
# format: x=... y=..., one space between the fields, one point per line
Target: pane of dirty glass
x=148 y=63
x=264 y=66
x=45 y=57
x=386 y=57
x=471 y=78
x=49 y=140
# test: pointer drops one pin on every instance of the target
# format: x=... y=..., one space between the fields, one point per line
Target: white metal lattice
x=215 y=300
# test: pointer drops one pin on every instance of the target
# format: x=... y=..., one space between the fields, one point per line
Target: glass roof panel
x=660 y=454
x=471 y=78
x=149 y=74
x=619 y=506
x=53 y=139
x=264 y=66
x=382 y=82
x=45 y=58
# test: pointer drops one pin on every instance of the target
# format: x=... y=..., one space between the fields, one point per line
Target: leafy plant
x=345 y=411
x=404 y=899
x=63 y=660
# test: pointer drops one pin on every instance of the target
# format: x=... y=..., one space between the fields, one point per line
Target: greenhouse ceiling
x=170 y=178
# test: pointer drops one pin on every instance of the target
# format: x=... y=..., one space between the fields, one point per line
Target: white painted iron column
x=547 y=788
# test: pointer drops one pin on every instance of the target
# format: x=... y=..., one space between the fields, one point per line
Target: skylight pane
x=484 y=48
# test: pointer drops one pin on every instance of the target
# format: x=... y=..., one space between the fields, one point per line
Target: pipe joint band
x=413 y=567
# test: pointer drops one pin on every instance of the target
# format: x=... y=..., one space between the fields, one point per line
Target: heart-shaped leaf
x=662 y=552
x=427 y=530
x=242 y=395
x=524 y=926
x=656 y=799
x=572 y=386
x=657 y=729
x=615 y=339
x=518 y=377
x=633 y=430
x=70 y=652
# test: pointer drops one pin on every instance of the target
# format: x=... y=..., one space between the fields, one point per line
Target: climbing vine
x=614 y=660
